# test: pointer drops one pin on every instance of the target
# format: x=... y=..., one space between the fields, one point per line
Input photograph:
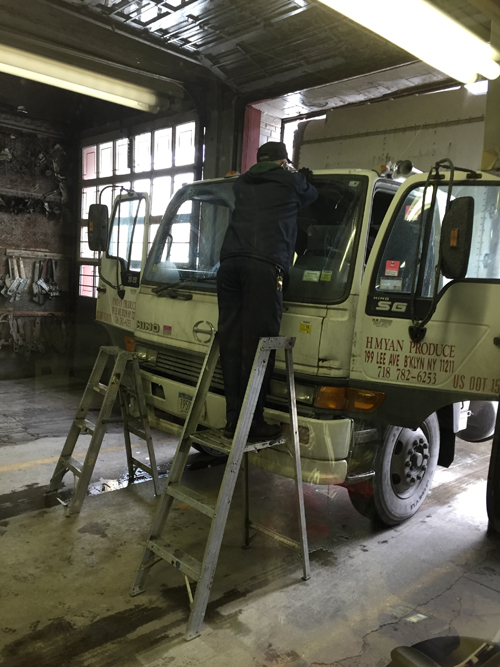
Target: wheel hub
x=409 y=462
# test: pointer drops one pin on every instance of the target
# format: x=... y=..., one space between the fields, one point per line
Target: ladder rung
x=73 y=465
x=215 y=439
x=140 y=434
x=195 y=500
x=101 y=388
x=111 y=350
x=275 y=535
x=176 y=557
x=85 y=425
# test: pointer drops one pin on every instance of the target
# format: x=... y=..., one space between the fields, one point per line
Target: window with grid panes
x=157 y=162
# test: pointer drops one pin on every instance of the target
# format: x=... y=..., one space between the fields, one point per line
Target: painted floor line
x=51 y=459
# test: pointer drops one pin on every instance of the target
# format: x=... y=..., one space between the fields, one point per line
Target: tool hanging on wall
x=34 y=286
x=47 y=281
x=44 y=287
x=8 y=279
x=53 y=286
x=11 y=292
x=24 y=280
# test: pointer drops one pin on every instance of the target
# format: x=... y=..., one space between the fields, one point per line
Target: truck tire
x=404 y=468
x=481 y=423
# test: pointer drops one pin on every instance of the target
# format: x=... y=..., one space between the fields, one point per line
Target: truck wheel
x=481 y=423
x=404 y=467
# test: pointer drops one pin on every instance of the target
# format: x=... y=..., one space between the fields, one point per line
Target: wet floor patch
x=32 y=497
x=111 y=640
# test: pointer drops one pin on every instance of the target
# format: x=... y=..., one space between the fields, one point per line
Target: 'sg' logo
x=203 y=331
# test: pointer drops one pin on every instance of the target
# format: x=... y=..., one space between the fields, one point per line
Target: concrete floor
x=65 y=582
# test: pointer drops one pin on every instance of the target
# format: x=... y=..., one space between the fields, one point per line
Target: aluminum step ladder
x=125 y=381
x=157 y=547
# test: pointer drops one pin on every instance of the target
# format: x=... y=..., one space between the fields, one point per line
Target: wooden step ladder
x=157 y=547
x=125 y=381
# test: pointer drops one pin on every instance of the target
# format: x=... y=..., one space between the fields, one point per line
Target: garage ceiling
x=259 y=49
x=255 y=46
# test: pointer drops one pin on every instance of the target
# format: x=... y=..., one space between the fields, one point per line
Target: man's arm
x=306 y=191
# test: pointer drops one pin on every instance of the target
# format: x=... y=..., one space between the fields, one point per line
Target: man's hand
x=306 y=173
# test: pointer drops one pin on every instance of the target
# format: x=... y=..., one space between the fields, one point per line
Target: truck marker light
x=454 y=238
x=129 y=343
x=348 y=398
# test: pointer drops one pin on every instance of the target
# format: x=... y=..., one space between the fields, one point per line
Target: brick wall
x=270 y=128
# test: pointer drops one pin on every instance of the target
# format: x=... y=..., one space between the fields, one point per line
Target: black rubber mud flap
x=493 y=488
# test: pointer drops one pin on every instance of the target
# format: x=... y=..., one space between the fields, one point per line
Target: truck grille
x=186 y=366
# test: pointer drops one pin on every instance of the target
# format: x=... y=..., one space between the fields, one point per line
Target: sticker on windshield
x=326 y=275
x=394 y=284
x=353 y=184
x=392 y=267
x=311 y=276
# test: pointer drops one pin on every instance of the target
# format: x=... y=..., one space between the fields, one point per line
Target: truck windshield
x=187 y=246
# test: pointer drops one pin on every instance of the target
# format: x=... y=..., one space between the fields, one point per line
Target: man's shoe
x=229 y=430
x=264 y=432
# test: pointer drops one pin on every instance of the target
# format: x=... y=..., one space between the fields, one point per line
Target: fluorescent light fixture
x=79 y=80
x=421 y=29
x=478 y=87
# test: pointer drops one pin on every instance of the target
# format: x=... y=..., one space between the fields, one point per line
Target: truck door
x=122 y=264
x=458 y=355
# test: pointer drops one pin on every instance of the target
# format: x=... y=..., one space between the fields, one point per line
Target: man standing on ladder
x=255 y=256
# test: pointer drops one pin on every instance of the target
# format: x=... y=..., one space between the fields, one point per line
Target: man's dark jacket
x=264 y=221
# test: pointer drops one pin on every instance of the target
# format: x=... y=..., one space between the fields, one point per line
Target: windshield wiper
x=173 y=292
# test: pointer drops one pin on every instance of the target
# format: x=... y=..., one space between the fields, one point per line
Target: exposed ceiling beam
x=489 y=7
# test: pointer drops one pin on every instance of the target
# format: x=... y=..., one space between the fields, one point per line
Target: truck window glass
x=398 y=261
x=326 y=241
x=380 y=205
x=127 y=232
x=187 y=245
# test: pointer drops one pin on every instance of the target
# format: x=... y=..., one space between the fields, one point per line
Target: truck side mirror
x=456 y=237
x=98 y=227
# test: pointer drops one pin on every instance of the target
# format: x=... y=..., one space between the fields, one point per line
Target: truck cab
x=374 y=404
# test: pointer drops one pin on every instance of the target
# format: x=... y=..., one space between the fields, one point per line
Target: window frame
x=422 y=303
x=118 y=178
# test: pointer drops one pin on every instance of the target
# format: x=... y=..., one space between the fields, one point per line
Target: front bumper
x=324 y=444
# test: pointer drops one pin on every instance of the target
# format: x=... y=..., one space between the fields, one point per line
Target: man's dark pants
x=250 y=307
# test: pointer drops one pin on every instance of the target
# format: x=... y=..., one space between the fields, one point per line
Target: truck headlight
x=146 y=354
x=303 y=393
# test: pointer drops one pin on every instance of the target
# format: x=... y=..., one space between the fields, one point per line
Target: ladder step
x=214 y=438
x=136 y=431
x=85 y=425
x=195 y=500
x=176 y=557
x=287 y=541
x=73 y=465
x=100 y=388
